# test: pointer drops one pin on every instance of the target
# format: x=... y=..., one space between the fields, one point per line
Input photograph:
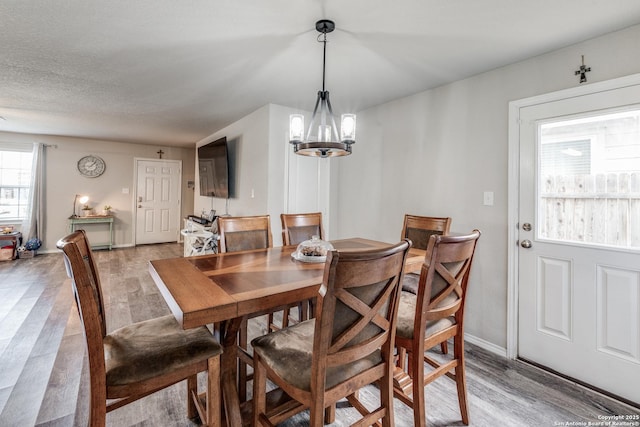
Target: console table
x=94 y=219
x=15 y=238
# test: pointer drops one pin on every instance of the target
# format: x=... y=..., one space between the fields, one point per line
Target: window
x=15 y=183
x=589 y=179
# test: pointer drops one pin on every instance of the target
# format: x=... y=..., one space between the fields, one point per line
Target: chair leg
x=416 y=366
x=444 y=346
x=192 y=387
x=285 y=317
x=97 y=404
x=259 y=390
x=461 y=381
x=303 y=311
x=214 y=393
x=317 y=412
x=242 y=367
x=330 y=414
x=402 y=355
x=386 y=399
x=271 y=326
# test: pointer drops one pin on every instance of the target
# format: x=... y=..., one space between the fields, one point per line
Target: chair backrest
x=419 y=229
x=241 y=233
x=442 y=288
x=296 y=228
x=85 y=280
x=356 y=308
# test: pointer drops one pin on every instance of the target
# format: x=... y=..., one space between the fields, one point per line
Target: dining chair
x=419 y=229
x=432 y=316
x=348 y=344
x=142 y=358
x=296 y=228
x=242 y=233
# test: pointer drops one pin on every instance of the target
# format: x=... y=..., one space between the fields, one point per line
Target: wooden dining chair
x=296 y=228
x=432 y=316
x=137 y=360
x=419 y=229
x=348 y=344
x=242 y=233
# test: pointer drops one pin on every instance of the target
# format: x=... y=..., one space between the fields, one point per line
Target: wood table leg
x=229 y=369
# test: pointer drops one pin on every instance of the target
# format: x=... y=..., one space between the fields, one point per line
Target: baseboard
x=486 y=345
x=56 y=251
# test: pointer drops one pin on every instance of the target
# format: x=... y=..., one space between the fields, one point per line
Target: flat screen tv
x=213 y=166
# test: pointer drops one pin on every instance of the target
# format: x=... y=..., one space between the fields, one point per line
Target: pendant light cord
x=324 y=58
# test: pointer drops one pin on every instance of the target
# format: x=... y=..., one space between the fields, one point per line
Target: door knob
x=139 y=206
x=526 y=244
x=526 y=226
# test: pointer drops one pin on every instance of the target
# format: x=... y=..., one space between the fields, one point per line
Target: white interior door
x=579 y=236
x=157 y=200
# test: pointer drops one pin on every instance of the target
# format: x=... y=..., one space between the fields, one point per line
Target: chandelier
x=322 y=138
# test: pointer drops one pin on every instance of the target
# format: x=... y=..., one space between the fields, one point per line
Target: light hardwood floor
x=43 y=369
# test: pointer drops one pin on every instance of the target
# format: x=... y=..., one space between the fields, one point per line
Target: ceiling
x=169 y=72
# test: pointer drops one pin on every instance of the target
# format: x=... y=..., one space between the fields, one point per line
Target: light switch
x=488 y=198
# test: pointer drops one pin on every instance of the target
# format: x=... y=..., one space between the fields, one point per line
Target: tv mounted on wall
x=213 y=166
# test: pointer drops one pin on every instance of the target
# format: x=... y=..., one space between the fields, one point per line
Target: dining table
x=226 y=289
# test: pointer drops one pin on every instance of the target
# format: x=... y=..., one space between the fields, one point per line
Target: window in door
x=15 y=184
x=589 y=179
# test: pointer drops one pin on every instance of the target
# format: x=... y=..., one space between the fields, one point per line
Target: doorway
x=158 y=203
x=575 y=206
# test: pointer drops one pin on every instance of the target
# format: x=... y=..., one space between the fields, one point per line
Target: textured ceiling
x=169 y=72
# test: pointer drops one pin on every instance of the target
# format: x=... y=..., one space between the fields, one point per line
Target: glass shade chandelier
x=322 y=138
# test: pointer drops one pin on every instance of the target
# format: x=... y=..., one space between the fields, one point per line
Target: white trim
x=486 y=345
x=513 y=184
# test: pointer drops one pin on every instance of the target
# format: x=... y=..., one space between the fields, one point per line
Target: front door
x=579 y=238
x=157 y=200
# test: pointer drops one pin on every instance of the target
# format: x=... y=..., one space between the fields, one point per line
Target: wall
x=63 y=181
x=436 y=152
x=260 y=147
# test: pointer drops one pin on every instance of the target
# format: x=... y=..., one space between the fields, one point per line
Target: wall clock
x=91 y=166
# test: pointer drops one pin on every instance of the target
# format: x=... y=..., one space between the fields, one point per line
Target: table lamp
x=82 y=200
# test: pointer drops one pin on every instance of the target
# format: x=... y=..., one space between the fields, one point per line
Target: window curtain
x=33 y=224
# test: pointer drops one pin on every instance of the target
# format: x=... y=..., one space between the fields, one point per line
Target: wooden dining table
x=228 y=288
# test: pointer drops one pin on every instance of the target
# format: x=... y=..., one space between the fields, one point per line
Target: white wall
x=436 y=152
x=63 y=182
x=260 y=143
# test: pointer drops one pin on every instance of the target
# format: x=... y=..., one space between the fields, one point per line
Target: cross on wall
x=582 y=71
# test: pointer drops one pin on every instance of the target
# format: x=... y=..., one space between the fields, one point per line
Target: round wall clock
x=91 y=166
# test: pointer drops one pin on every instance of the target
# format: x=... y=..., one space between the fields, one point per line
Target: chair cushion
x=154 y=347
x=407 y=312
x=288 y=352
x=410 y=282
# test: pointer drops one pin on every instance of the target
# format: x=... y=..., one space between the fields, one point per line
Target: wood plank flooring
x=44 y=371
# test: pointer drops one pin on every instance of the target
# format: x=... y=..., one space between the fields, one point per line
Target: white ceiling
x=169 y=72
